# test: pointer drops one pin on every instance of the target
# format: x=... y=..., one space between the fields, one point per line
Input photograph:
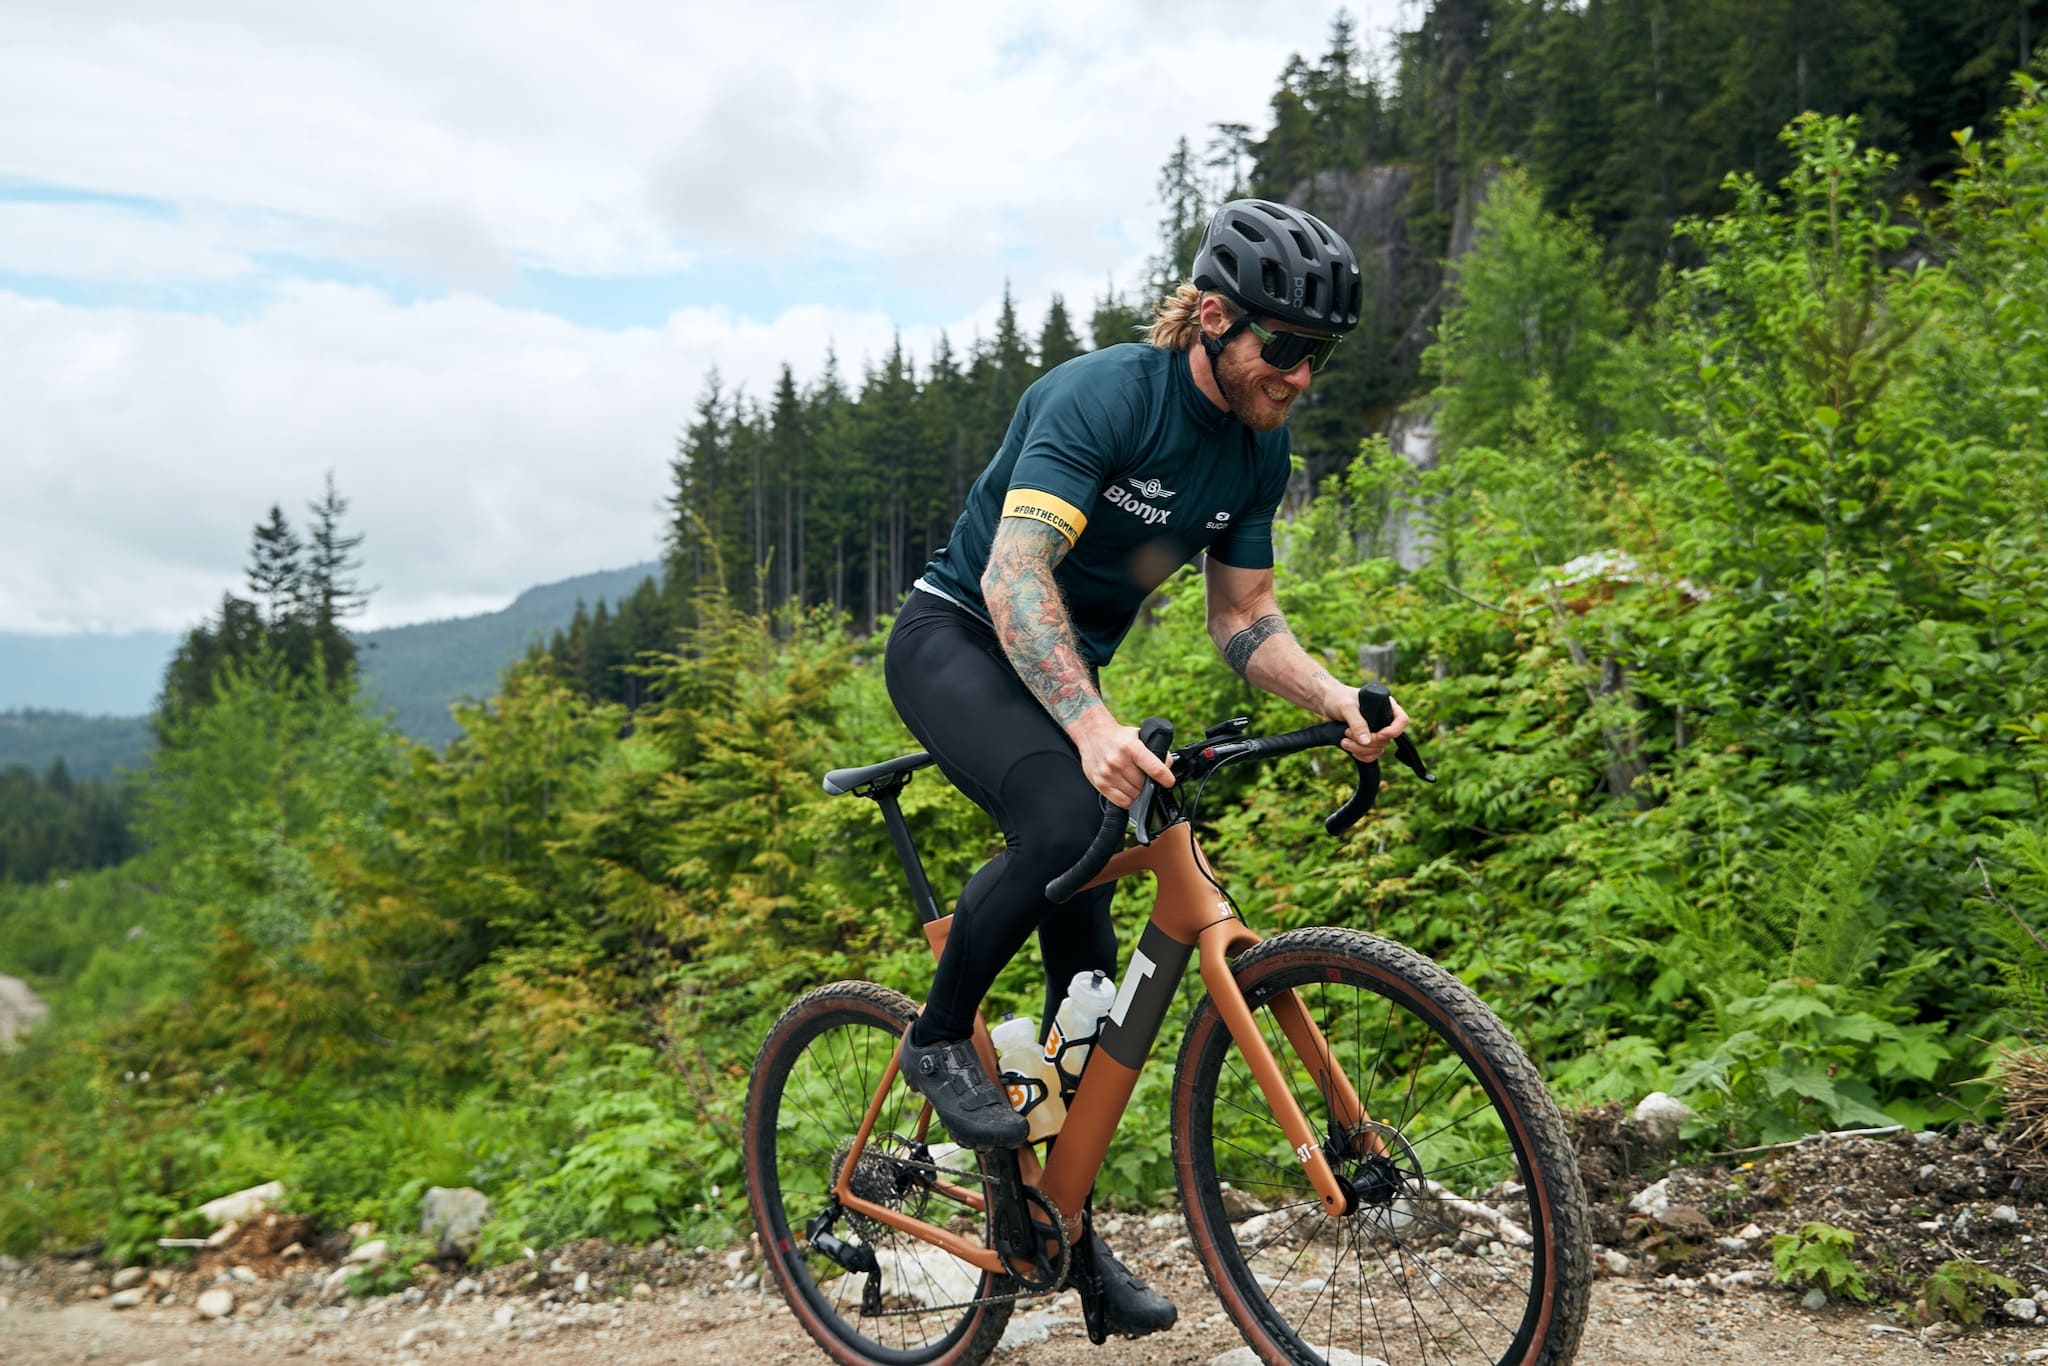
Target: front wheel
x=1466 y=1243
x=819 y=1068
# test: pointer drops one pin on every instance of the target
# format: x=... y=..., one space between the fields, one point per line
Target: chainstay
x=983 y=1180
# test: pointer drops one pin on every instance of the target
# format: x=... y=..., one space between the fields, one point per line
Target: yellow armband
x=1039 y=506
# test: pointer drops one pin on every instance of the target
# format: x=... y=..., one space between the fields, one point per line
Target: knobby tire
x=1421 y=1270
x=811 y=1084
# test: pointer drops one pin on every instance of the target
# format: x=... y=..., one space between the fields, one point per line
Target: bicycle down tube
x=1189 y=916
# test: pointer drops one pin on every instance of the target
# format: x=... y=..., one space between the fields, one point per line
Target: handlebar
x=1156 y=734
x=1375 y=704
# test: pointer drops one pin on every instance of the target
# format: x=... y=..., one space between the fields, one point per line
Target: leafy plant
x=403 y=1260
x=1819 y=1255
x=1958 y=1290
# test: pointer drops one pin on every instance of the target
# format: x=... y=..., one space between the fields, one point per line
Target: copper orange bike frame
x=1189 y=915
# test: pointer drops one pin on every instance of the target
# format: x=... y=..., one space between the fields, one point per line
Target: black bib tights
x=957 y=692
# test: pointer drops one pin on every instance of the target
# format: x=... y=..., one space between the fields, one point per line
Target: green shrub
x=1819 y=1255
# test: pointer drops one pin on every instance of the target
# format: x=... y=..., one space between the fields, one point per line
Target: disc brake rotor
x=1386 y=1180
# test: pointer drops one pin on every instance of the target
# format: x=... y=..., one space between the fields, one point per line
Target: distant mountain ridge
x=418 y=671
x=83 y=698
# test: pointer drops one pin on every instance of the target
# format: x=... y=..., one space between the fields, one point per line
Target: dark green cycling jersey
x=1120 y=453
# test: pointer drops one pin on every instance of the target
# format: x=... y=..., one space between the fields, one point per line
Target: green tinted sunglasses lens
x=1285 y=350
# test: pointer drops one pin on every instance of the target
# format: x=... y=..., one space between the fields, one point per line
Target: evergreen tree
x=1057 y=343
x=1117 y=318
x=330 y=593
x=276 y=575
x=1185 y=213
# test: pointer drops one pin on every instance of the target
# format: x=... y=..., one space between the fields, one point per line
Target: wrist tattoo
x=1238 y=651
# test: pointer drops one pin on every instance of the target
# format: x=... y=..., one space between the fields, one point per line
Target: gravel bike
x=1370 y=1167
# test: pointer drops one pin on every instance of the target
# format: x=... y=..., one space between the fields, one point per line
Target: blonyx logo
x=1121 y=497
x=1151 y=488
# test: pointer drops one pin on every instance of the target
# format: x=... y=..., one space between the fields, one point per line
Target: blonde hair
x=1177 y=321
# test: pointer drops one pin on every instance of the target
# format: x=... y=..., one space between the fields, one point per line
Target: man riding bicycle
x=1119 y=467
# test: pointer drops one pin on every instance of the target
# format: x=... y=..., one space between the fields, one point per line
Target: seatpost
x=884 y=795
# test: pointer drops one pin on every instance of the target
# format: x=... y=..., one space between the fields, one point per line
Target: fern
x=2012 y=912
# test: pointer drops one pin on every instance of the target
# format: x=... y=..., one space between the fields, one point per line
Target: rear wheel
x=1466 y=1244
x=815 y=1076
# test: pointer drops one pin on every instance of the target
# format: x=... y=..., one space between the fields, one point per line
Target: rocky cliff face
x=1405 y=248
x=20 y=1008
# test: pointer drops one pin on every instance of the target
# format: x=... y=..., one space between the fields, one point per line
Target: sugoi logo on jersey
x=1121 y=497
x=1220 y=522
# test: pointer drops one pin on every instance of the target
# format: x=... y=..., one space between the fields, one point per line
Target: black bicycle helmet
x=1278 y=262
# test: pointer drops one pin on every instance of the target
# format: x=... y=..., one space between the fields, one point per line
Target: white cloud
x=920 y=154
x=619 y=138
x=483 y=449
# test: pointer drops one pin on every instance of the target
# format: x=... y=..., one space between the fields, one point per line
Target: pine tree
x=1185 y=213
x=330 y=593
x=275 y=570
x=1116 y=319
x=1057 y=344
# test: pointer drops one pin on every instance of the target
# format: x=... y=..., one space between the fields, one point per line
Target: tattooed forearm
x=1239 y=649
x=1031 y=618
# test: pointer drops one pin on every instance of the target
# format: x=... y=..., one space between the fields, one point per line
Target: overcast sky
x=478 y=260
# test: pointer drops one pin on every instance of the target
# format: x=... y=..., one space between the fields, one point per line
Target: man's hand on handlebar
x=1360 y=741
x=1115 y=762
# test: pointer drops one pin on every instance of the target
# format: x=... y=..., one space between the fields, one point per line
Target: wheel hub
x=1383 y=1173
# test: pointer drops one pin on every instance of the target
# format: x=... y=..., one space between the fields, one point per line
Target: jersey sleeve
x=1069 y=453
x=1249 y=542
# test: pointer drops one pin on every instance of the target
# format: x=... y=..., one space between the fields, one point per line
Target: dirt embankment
x=1685 y=1281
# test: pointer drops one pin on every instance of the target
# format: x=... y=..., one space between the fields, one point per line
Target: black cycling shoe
x=1113 y=1301
x=974 y=1109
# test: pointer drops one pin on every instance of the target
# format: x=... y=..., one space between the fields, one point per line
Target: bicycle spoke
x=815 y=1093
x=1425 y=1267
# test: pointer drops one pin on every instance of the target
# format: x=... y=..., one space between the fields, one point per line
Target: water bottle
x=1077 y=1024
x=1033 y=1085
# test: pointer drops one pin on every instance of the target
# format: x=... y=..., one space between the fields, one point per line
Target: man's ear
x=1211 y=315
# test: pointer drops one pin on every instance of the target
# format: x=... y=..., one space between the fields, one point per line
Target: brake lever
x=1156 y=734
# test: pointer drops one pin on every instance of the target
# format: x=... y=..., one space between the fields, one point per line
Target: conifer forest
x=1692 y=460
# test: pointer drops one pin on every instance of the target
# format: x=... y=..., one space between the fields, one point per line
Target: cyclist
x=1119 y=467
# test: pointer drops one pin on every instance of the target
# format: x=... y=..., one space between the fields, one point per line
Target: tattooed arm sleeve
x=1031 y=618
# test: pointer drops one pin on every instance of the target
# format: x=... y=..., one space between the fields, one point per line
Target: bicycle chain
x=935 y=1171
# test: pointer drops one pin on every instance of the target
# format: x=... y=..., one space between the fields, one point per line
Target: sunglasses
x=1285 y=350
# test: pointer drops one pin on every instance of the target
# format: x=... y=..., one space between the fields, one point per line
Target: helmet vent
x=1280 y=262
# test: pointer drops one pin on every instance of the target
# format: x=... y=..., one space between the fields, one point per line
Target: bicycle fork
x=1219 y=943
